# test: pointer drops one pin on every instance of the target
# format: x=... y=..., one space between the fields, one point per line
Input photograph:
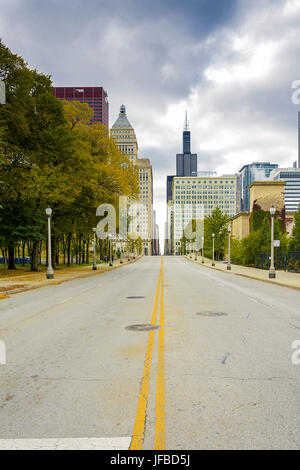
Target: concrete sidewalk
x=285 y=279
x=34 y=280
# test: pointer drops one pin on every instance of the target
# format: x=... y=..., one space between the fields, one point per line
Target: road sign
x=276 y=243
x=2 y=93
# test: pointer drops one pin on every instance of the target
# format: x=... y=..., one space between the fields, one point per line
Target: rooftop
x=122 y=120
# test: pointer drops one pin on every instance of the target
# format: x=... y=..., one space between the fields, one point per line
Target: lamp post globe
x=50 y=273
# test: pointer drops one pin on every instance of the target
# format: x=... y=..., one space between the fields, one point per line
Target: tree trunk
x=34 y=256
x=87 y=252
x=11 y=256
x=57 y=254
x=78 y=252
x=23 y=253
x=53 y=252
x=69 y=249
x=83 y=252
x=40 y=251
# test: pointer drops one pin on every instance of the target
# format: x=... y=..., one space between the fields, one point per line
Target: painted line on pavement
x=106 y=443
x=140 y=419
x=66 y=300
x=160 y=421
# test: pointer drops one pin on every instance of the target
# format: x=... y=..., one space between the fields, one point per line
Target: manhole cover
x=136 y=297
x=211 y=314
x=142 y=327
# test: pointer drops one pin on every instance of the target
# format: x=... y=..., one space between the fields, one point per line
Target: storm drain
x=142 y=327
x=136 y=297
x=211 y=314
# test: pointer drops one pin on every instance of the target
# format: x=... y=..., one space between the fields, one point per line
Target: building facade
x=196 y=198
x=291 y=177
x=155 y=236
x=145 y=215
x=95 y=97
x=124 y=135
x=256 y=171
x=264 y=194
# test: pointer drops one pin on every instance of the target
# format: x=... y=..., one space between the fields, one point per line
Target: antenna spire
x=186 y=123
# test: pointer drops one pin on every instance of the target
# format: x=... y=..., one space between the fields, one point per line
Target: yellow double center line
x=140 y=419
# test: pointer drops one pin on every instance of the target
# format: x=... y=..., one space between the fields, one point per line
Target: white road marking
x=90 y=443
x=66 y=300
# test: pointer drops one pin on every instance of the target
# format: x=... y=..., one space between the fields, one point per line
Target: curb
x=245 y=275
x=7 y=293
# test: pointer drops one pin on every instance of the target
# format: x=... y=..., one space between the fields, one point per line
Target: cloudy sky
x=230 y=63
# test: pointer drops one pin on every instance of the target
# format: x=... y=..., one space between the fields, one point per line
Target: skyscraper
x=256 y=171
x=123 y=132
x=186 y=165
x=298 y=139
x=291 y=176
x=186 y=162
x=95 y=97
x=124 y=135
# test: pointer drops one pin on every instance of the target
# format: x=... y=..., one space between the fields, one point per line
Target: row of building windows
x=205 y=182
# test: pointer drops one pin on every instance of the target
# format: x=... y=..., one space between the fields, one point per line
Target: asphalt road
x=216 y=374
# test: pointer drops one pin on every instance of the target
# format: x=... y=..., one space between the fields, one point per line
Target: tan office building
x=124 y=134
x=199 y=196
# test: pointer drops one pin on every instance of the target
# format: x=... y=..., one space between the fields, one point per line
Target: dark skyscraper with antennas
x=186 y=162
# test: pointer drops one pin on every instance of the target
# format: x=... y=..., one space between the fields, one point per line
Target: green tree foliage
x=247 y=250
x=295 y=237
x=50 y=155
x=216 y=223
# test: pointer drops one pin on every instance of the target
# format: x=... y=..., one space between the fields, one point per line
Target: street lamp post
x=50 y=274
x=196 y=258
x=121 y=261
x=202 y=251
x=213 y=249
x=94 y=262
x=190 y=245
x=229 y=232
x=110 y=257
x=272 y=272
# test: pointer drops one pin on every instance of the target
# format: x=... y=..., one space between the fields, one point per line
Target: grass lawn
x=20 y=270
